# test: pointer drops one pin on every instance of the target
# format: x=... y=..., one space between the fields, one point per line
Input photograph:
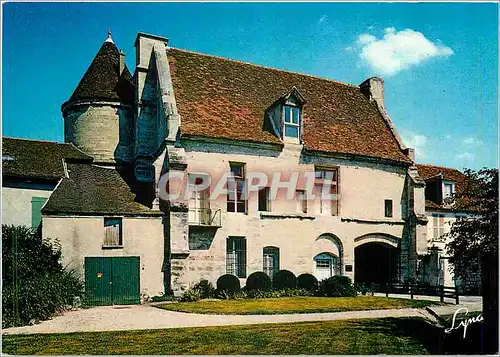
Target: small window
x=301 y=201
x=236 y=252
x=270 y=260
x=236 y=188
x=292 y=121
x=448 y=190
x=113 y=232
x=327 y=175
x=36 y=211
x=264 y=203
x=388 y=208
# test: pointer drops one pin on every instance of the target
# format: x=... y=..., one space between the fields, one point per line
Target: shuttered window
x=438 y=225
x=112 y=232
x=236 y=256
x=36 y=211
x=271 y=260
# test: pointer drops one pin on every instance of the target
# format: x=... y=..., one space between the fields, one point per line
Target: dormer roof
x=103 y=81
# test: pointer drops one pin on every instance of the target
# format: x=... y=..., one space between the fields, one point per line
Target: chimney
x=373 y=89
x=122 y=61
x=410 y=152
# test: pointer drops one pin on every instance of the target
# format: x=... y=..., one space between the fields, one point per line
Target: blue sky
x=438 y=60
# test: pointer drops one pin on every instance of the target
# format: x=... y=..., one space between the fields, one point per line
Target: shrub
x=307 y=282
x=337 y=286
x=190 y=295
x=259 y=281
x=205 y=288
x=362 y=288
x=284 y=279
x=228 y=283
x=160 y=298
x=42 y=287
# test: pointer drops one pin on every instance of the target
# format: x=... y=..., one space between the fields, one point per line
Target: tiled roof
x=92 y=189
x=36 y=159
x=103 y=81
x=223 y=98
x=428 y=172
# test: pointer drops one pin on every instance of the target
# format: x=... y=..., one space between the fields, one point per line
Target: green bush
x=34 y=283
x=228 y=283
x=284 y=279
x=259 y=281
x=362 y=288
x=191 y=295
x=258 y=294
x=337 y=286
x=307 y=282
x=205 y=288
x=160 y=298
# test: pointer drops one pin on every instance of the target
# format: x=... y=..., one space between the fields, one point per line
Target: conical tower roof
x=103 y=80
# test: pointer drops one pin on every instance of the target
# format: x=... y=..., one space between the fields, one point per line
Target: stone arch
x=377 y=238
x=336 y=248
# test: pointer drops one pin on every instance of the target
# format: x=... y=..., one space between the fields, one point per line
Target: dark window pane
x=241 y=206
x=295 y=115
x=230 y=206
x=388 y=208
x=287 y=114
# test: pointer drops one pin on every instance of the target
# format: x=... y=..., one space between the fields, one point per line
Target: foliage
x=205 y=288
x=228 y=283
x=191 y=295
x=471 y=237
x=337 y=286
x=259 y=281
x=160 y=298
x=260 y=294
x=284 y=279
x=307 y=281
x=362 y=288
x=34 y=283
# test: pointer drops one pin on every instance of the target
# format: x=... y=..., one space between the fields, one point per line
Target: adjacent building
x=217 y=125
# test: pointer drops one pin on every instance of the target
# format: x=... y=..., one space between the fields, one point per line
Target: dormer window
x=292 y=121
x=448 y=189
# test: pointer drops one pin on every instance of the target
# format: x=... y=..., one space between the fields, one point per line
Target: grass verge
x=295 y=305
x=390 y=336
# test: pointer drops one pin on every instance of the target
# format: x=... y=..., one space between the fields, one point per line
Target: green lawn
x=354 y=337
x=292 y=305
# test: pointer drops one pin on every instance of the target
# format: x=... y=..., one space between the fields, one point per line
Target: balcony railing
x=204 y=217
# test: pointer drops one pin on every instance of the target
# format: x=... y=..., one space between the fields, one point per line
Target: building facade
x=176 y=149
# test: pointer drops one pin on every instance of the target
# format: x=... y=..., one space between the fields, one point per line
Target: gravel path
x=142 y=317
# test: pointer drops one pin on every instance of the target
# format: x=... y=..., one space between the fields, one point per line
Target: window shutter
x=36 y=211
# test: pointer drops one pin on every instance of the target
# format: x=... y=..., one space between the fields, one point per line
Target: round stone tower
x=98 y=118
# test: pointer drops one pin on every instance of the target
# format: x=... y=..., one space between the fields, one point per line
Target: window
x=264 y=204
x=36 y=211
x=388 y=208
x=301 y=201
x=112 y=232
x=198 y=204
x=437 y=225
x=327 y=176
x=292 y=121
x=270 y=260
x=236 y=188
x=236 y=256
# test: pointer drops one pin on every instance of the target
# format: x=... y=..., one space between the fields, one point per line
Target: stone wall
x=82 y=237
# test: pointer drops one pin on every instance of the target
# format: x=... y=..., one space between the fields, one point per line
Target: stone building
x=202 y=118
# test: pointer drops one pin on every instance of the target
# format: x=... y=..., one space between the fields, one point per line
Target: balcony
x=204 y=217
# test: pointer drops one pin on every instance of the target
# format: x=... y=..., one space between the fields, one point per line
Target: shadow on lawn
x=433 y=338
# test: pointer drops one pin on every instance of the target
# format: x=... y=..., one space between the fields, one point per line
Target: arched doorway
x=376 y=259
x=325 y=266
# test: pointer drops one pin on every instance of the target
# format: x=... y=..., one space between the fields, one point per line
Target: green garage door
x=112 y=280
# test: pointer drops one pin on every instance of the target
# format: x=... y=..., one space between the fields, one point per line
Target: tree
x=35 y=285
x=478 y=234
x=474 y=243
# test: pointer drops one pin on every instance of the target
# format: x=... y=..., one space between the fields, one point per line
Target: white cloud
x=466 y=157
x=448 y=137
x=322 y=19
x=471 y=141
x=417 y=142
x=398 y=50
